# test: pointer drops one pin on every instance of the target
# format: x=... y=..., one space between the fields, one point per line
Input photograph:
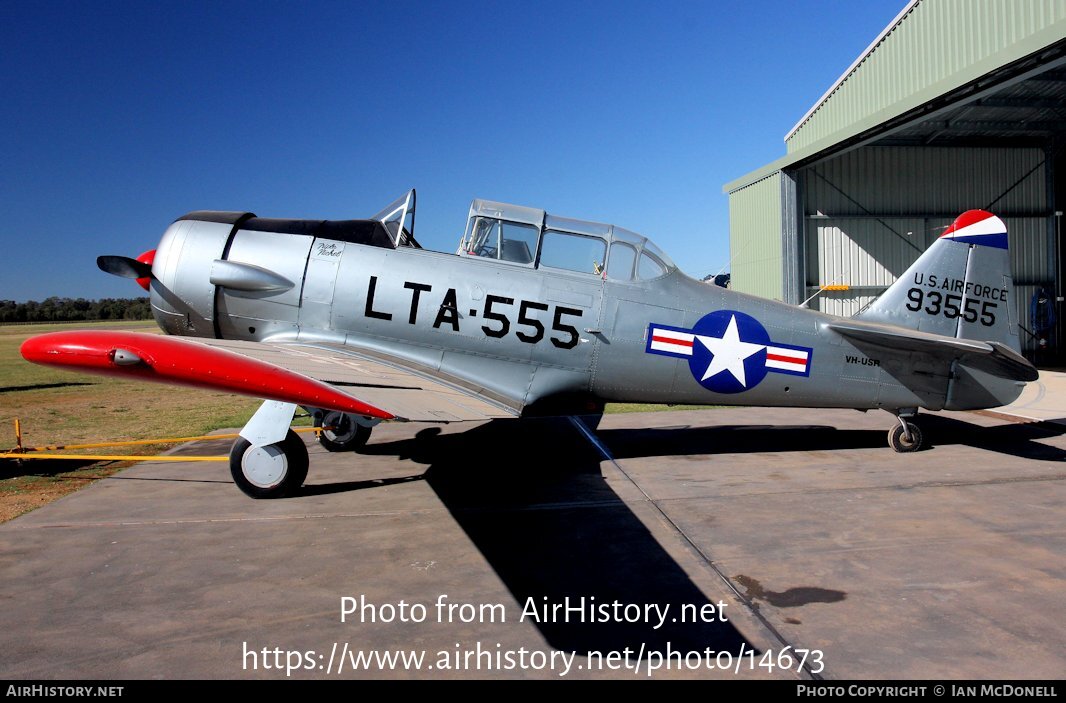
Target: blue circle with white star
x=728 y=352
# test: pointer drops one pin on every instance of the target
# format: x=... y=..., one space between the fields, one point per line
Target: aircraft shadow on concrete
x=532 y=498
x=735 y=439
x=1017 y=439
x=1020 y=439
x=319 y=489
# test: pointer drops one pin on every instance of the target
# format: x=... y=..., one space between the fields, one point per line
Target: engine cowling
x=238 y=276
x=183 y=296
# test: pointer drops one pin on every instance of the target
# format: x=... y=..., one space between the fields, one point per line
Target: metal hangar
x=957 y=104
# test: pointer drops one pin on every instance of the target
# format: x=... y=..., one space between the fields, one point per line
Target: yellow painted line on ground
x=137 y=442
x=112 y=457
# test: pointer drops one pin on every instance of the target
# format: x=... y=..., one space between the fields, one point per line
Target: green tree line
x=75 y=309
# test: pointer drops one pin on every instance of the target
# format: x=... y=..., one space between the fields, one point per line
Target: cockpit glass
x=484 y=241
x=519 y=242
x=650 y=266
x=527 y=236
x=620 y=265
x=658 y=255
x=573 y=252
x=506 y=241
x=399 y=219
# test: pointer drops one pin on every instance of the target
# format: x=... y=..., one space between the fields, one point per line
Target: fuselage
x=528 y=334
x=533 y=315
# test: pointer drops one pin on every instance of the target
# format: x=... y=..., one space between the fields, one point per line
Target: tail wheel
x=272 y=471
x=345 y=433
x=897 y=439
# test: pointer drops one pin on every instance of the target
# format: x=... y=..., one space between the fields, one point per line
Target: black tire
x=282 y=470
x=347 y=435
x=898 y=441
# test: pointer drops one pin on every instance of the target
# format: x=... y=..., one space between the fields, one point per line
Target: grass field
x=61 y=407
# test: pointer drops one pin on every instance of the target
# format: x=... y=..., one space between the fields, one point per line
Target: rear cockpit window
x=620 y=265
x=573 y=252
x=650 y=267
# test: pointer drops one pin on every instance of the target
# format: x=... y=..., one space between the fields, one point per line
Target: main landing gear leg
x=905 y=436
x=269 y=460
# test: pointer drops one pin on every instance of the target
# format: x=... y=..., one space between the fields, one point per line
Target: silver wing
x=408 y=391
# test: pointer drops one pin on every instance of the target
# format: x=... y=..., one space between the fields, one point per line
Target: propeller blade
x=124 y=267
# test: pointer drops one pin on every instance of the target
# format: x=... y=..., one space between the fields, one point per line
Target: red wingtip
x=37 y=350
x=150 y=357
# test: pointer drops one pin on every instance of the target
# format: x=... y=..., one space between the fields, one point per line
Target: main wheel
x=273 y=471
x=898 y=441
x=345 y=435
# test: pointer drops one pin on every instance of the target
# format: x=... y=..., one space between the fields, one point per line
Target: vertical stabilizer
x=960 y=287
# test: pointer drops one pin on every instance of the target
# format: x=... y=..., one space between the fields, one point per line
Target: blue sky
x=118 y=117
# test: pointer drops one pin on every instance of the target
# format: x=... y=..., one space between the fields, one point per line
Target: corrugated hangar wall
x=957 y=104
x=869 y=214
x=755 y=238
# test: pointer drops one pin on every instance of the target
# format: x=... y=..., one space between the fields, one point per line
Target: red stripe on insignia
x=789 y=359
x=671 y=340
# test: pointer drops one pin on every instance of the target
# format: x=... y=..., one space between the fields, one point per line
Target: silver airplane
x=534 y=314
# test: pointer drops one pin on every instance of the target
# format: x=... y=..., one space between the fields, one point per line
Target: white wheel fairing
x=264 y=467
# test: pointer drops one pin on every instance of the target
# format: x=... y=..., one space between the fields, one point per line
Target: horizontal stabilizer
x=1012 y=364
x=993 y=357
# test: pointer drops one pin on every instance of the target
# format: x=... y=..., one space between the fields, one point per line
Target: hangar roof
x=1029 y=111
x=942 y=72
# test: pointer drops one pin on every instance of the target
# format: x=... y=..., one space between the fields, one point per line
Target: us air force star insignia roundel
x=729 y=351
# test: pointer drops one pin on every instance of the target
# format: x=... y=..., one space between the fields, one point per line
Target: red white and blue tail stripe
x=978 y=227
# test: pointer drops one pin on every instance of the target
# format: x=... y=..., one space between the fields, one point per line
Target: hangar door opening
x=869 y=213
